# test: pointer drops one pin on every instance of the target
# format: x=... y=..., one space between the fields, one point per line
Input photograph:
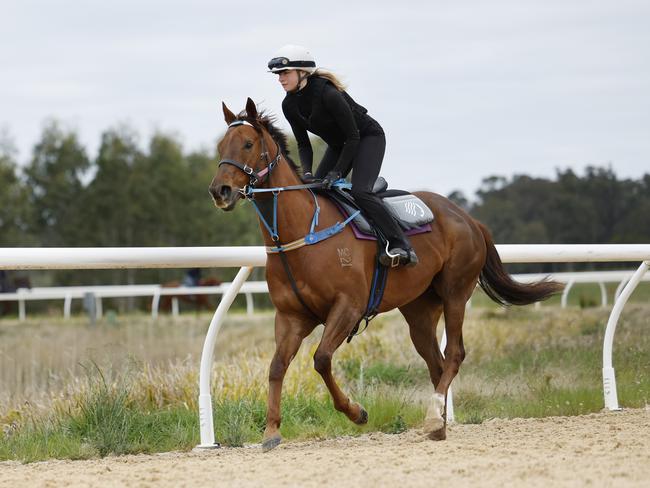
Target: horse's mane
x=267 y=121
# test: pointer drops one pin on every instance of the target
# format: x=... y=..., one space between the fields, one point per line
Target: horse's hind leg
x=435 y=420
x=422 y=316
x=340 y=322
x=290 y=330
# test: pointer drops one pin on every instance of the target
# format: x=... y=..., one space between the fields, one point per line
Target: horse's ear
x=251 y=109
x=227 y=114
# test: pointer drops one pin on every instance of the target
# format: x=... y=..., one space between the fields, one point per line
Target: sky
x=463 y=89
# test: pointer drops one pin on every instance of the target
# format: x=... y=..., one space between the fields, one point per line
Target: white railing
x=248 y=257
x=68 y=293
x=569 y=279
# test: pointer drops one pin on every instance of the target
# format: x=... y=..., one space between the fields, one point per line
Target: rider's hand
x=329 y=180
x=307 y=177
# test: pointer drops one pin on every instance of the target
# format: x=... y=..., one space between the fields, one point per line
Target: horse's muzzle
x=224 y=196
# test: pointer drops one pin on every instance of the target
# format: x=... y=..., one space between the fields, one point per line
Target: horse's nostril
x=225 y=191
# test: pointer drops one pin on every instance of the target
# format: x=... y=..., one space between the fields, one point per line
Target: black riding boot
x=399 y=250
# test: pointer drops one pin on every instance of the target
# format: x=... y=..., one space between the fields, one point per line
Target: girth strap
x=377 y=289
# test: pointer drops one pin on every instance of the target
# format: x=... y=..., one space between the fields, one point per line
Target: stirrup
x=394 y=258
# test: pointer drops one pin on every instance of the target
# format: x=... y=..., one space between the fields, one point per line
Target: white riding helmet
x=292 y=57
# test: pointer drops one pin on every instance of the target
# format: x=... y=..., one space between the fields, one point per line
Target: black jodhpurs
x=365 y=170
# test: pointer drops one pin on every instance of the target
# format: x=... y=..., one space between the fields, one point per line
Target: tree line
x=597 y=208
x=129 y=196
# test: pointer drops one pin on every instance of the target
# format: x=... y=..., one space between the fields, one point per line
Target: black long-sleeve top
x=330 y=114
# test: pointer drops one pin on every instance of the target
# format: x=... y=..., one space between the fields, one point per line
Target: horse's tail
x=500 y=286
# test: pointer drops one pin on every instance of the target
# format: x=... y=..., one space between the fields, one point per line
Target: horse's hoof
x=438 y=435
x=271 y=442
x=363 y=417
x=433 y=424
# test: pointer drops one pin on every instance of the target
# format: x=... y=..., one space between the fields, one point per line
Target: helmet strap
x=302 y=75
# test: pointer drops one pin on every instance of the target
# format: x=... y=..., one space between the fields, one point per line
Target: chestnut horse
x=454 y=256
x=199 y=301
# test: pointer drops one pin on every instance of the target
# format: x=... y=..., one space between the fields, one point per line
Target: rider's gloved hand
x=329 y=180
x=307 y=177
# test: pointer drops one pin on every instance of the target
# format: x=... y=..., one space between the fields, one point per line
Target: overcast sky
x=463 y=89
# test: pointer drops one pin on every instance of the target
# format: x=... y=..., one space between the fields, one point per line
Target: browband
x=239 y=122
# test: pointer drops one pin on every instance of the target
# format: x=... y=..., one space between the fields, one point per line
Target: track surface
x=605 y=449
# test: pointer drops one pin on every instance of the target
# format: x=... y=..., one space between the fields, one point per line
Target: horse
x=455 y=255
x=200 y=301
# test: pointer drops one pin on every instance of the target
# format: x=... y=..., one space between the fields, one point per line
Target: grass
x=74 y=392
x=106 y=422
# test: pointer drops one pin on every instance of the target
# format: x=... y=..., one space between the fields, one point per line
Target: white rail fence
x=156 y=291
x=68 y=293
x=249 y=257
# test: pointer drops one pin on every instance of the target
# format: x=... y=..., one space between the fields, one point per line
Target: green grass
x=106 y=422
x=557 y=375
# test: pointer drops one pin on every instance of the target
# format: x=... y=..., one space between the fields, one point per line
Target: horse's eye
x=248 y=144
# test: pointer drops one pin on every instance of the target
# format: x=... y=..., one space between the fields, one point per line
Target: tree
x=14 y=225
x=459 y=198
x=54 y=179
x=109 y=200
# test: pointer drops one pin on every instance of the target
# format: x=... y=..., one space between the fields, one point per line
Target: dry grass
x=44 y=363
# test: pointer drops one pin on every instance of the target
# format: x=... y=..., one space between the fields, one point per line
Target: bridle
x=254 y=177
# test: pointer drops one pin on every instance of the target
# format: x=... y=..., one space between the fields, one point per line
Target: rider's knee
x=360 y=194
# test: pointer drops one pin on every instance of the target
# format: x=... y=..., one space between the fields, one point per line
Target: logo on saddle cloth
x=410 y=212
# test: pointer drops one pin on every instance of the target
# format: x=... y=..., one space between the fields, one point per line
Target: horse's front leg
x=290 y=330
x=340 y=321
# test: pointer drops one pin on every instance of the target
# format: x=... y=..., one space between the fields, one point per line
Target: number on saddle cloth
x=410 y=212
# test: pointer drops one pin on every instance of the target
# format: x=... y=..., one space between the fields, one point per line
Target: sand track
x=605 y=449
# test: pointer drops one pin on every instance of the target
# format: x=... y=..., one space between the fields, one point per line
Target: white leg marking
x=434 y=421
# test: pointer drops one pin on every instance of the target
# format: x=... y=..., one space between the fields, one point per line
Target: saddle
x=413 y=216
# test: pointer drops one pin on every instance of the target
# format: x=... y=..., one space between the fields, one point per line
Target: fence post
x=565 y=293
x=67 y=306
x=90 y=305
x=205 y=398
x=98 y=307
x=603 y=294
x=609 y=377
x=250 y=307
x=155 y=302
x=619 y=288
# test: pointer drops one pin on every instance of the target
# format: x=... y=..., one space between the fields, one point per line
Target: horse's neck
x=295 y=207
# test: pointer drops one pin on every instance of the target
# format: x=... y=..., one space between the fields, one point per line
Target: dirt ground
x=604 y=449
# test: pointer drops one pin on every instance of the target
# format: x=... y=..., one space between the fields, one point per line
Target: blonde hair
x=328 y=75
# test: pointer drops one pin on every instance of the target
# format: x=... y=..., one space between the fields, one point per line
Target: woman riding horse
x=316 y=101
x=310 y=284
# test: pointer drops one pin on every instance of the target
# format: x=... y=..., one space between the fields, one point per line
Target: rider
x=317 y=102
x=4 y=281
x=192 y=277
